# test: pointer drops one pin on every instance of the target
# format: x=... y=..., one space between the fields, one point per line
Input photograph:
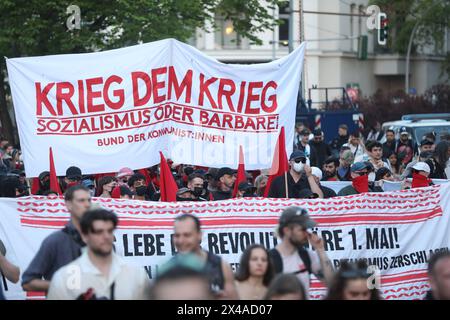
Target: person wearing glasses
x=351 y=282
x=359 y=173
x=291 y=256
x=299 y=177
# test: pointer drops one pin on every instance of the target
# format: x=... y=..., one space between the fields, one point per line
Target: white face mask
x=298 y=167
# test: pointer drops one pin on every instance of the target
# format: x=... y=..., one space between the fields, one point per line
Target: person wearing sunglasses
x=359 y=173
x=299 y=177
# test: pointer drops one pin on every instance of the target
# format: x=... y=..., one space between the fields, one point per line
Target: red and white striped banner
x=396 y=231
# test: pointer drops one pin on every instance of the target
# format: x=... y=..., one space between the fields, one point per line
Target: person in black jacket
x=225 y=183
x=319 y=149
x=342 y=138
x=439 y=160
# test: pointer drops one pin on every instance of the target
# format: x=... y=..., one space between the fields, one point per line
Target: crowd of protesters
x=283 y=272
x=361 y=160
x=85 y=248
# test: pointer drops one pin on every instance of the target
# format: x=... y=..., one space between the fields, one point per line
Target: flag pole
x=286 y=184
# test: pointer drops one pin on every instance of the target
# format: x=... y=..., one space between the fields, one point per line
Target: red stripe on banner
x=244 y=221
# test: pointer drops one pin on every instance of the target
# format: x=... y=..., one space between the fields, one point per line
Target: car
x=418 y=125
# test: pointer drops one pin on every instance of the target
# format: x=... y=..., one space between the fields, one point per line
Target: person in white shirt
x=357 y=147
x=99 y=273
x=290 y=256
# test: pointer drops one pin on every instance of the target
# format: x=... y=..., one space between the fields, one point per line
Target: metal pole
x=291 y=26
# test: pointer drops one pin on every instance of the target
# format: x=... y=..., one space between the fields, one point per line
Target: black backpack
x=277 y=261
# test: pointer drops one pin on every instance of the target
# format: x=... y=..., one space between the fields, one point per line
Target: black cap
x=317 y=132
x=305 y=132
x=73 y=173
x=43 y=175
x=296 y=215
x=426 y=142
x=223 y=171
x=246 y=186
x=297 y=154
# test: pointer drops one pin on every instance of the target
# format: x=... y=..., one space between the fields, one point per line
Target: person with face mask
x=291 y=256
x=360 y=180
x=138 y=187
x=299 y=177
x=196 y=183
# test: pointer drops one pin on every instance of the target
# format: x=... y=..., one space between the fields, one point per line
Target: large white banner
x=106 y=110
x=396 y=231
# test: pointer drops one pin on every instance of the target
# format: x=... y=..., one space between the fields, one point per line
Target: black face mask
x=198 y=191
x=183 y=199
x=141 y=191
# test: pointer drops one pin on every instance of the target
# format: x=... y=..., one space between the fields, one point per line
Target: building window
x=283 y=28
x=225 y=36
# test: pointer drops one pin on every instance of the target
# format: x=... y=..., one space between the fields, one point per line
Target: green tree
x=432 y=17
x=38 y=27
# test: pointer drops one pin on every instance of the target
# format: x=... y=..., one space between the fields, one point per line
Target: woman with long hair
x=439 y=160
x=105 y=186
x=254 y=274
x=260 y=184
x=350 y=283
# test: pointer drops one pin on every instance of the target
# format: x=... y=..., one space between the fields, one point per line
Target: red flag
x=54 y=184
x=241 y=177
x=168 y=186
x=35 y=186
x=280 y=163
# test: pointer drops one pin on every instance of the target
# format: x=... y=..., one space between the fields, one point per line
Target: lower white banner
x=395 y=231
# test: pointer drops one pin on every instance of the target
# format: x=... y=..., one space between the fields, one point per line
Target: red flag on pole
x=168 y=186
x=54 y=184
x=280 y=163
x=241 y=177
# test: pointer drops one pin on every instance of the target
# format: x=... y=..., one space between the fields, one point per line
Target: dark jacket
x=278 y=187
x=437 y=171
x=388 y=148
x=338 y=142
x=319 y=153
x=221 y=195
x=57 y=250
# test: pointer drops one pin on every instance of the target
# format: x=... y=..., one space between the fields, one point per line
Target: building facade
x=332 y=50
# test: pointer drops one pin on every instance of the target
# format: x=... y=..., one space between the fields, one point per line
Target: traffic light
x=383 y=26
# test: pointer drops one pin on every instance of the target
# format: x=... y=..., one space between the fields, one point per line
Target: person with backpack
x=291 y=256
